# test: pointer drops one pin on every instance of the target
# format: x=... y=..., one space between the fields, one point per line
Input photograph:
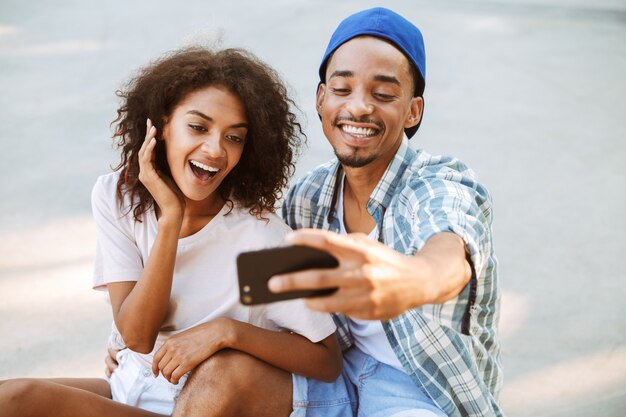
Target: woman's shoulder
x=105 y=188
x=107 y=182
x=105 y=196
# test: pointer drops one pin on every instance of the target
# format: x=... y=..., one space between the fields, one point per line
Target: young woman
x=207 y=140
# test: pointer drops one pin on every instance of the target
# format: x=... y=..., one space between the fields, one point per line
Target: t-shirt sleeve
x=295 y=316
x=290 y=315
x=117 y=256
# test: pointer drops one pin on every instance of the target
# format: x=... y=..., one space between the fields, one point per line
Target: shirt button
x=146 y=372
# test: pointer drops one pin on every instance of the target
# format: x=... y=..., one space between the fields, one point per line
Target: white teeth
x=358 y=131
x=204 y=167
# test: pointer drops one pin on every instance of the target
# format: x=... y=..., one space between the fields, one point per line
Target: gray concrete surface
x=529 y=93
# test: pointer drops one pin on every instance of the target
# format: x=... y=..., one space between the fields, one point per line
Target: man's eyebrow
x=341 y=74
x=209 y=119
x=380 y=78
x=387 y=79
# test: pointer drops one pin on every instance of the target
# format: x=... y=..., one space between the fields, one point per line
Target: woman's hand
x=110 y=362
x=186 y=350
x=163 y=189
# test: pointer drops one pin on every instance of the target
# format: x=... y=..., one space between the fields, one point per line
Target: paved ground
x=529 y=93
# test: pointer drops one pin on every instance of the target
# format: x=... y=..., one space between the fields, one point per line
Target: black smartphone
x=255 y=268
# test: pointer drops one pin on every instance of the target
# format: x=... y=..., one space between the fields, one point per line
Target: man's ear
x=319 y=100
x=415 y=112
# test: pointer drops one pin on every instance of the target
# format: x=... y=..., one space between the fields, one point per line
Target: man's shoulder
x=313 y=181
x=310 y=197
x=439 y=171
x=438 y=179
x=426 y=165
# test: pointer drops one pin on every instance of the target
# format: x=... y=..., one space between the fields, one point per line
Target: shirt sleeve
x=452 y=201
x=117 y=256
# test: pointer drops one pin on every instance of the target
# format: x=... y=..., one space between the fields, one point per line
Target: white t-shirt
x=369 y=335
x=204 y=285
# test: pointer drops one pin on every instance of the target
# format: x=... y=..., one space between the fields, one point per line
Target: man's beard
x=353 y=160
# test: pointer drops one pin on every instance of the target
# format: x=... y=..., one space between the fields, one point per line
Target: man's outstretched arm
x=375 y=282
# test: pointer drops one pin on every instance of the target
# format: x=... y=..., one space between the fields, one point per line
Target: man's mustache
x=364 y=119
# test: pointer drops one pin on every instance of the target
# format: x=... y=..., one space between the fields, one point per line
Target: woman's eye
x=198 y=128
x=235 y=138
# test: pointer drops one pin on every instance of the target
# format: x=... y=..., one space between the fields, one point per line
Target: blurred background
x=530 y=93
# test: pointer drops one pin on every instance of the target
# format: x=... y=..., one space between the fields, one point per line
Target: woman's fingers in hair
x=146 y=153
x=149 y=139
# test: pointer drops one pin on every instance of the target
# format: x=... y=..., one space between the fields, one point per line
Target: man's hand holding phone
x=373 y=281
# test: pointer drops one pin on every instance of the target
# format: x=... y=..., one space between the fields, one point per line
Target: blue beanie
x=381 y=23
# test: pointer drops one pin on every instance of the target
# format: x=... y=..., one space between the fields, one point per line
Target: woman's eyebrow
x=210 y=119
x=200 y=114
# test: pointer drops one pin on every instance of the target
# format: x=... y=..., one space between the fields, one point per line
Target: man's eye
x=384 y=97
x=340 y=91
x=198 y=128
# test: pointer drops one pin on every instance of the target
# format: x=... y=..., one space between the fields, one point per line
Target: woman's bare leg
x=232 y=383
x=96 y=385
x=66 y=397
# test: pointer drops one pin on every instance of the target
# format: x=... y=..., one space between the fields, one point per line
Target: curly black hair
x=273 y=138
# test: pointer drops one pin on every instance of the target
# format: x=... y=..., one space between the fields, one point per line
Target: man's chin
x=354 y=161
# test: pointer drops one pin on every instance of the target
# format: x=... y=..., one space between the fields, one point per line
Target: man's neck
x=359 y=185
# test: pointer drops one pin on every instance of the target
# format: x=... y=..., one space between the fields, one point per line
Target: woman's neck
x=199 y=213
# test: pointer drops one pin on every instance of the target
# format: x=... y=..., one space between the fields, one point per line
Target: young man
x=418 y=297
x=417 y=302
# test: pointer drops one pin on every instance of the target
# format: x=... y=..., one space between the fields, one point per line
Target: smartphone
x=255 y=268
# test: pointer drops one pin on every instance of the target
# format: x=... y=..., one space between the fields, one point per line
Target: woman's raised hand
x=163 y=189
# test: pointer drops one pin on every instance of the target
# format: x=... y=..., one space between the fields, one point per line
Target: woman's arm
x=139 y=308
x=288 y=351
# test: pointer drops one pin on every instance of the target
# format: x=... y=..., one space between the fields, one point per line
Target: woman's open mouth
x=202 y=171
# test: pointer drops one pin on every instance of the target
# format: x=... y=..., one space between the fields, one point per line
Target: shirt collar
x=381 y=196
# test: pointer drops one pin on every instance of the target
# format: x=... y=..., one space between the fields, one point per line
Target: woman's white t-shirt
x=204 y=285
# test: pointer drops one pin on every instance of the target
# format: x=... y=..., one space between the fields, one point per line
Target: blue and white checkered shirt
x=449 y=349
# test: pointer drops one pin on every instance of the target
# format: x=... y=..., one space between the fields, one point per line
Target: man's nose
x=359 y=104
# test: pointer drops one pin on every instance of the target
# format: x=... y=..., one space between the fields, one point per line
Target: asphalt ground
x=529 y=93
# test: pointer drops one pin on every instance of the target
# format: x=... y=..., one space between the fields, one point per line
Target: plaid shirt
x=449 y=349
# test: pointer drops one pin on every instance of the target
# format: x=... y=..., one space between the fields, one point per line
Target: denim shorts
x=365 y=388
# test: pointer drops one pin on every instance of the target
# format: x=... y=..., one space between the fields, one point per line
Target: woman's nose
x=212 y=145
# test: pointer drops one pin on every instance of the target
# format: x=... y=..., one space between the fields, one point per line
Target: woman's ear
x=415 y=112
x=164 y=129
